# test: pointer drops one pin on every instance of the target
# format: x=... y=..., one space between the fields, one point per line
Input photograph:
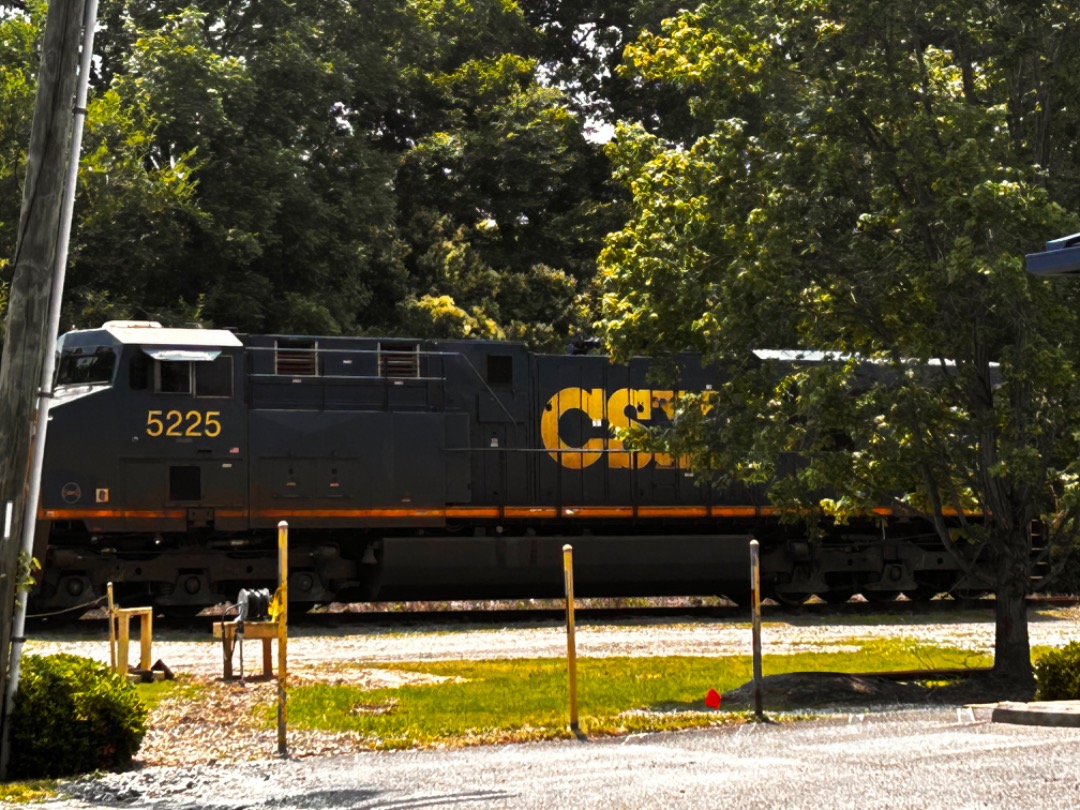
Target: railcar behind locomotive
x=406 y=469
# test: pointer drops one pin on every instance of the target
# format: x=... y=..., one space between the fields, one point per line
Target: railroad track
x=551 y=612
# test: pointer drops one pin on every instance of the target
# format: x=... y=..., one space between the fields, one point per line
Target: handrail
x=357 y=351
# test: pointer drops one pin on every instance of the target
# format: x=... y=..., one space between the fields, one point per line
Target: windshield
x=86 y=365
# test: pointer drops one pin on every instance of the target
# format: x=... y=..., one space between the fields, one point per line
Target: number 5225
x=183 y=423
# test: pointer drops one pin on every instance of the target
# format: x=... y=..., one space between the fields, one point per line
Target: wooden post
x=124 y=641
x=283 y=621
x=755 y=602
x=571 y=643
x=146 y=636
x=31 y=285
x=112 y=628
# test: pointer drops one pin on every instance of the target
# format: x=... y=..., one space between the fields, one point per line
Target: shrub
x=1057 y=674
x=72 y=715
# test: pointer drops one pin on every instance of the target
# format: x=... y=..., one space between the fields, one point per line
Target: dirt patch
x=810 y=690
x=225 y=723
x=816 y=690
x=369 y=678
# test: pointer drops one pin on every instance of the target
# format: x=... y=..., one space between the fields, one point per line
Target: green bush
x=72 y=715
x=1057 y=674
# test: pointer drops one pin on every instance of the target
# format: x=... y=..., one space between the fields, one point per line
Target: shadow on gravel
x=368 y=798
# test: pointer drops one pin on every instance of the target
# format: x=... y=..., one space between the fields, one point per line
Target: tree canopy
x=868 y=180
x=323 y=167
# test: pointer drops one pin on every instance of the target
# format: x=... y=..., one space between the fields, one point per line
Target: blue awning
x=1062 y=257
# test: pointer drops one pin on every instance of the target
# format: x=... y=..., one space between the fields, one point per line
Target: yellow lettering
x=628 y=407
x=591 y=403
x=194 y=421
x=664 y=401
x=623 y=409
x=175 y=419
x=179 y=423
x=213 y=426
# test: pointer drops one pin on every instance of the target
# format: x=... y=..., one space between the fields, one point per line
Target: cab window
x=214 y=379
x=203 y=378
x=172 y=377
x=86 y=366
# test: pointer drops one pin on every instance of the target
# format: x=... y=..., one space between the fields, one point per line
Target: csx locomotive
x=406 y=469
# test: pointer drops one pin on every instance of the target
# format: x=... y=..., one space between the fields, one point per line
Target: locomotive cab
x=171 y=400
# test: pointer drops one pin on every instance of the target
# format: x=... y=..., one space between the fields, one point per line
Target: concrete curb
x=1058 y=713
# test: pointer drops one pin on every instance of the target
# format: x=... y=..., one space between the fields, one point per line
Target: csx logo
x=603 y=412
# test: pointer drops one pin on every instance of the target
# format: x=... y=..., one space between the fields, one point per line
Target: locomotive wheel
x=881 y=597
x=836 y=596
x=740 y=598
x=968 y=594
x=789 y=599
x=180 y=611
x=924 y=593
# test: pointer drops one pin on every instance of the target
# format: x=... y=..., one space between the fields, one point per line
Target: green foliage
x=27 y=792
x=865 y=179
x=1057 y=674
x=73 y=715
x=322 y=167
x=20 y=34
x=500 y=193
x=26 y=570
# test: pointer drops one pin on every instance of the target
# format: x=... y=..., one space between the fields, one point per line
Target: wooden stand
x=120 y=625
x=266 y=631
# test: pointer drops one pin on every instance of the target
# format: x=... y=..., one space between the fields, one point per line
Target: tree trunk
x=1012 y=646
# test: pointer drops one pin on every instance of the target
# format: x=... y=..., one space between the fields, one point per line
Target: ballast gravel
x=314 y=651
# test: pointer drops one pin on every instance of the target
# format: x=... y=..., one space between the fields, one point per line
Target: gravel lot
x=313 y=652
x=198 y=747
x=894 y=761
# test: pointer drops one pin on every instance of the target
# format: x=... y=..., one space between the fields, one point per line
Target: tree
x=20 y=36
x=275 y=104
x=130 y=211
x=871 y=177
x=501 y=200
x=326 y=167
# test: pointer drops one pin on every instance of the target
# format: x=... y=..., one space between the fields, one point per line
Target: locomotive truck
x=406 y=469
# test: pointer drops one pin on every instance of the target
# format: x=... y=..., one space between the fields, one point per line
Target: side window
x=214 y=378
x=172 y=377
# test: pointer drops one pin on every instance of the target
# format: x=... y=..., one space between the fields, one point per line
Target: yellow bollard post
x=146 y=636
x=755 y=607
x=112 y=629
x=571 y=645
x=283 y=620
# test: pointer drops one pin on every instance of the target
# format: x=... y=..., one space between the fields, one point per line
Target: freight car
x=406 y=469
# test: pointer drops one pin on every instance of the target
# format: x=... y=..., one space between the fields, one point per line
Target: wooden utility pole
x=26 y=327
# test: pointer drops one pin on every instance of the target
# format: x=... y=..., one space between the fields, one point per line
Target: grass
x=516 y=700
x=33 y=790
x=182 y=687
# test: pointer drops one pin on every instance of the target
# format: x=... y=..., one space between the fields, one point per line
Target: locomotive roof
x=144 y=334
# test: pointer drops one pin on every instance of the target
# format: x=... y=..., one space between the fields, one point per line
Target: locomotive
x=406 y=469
